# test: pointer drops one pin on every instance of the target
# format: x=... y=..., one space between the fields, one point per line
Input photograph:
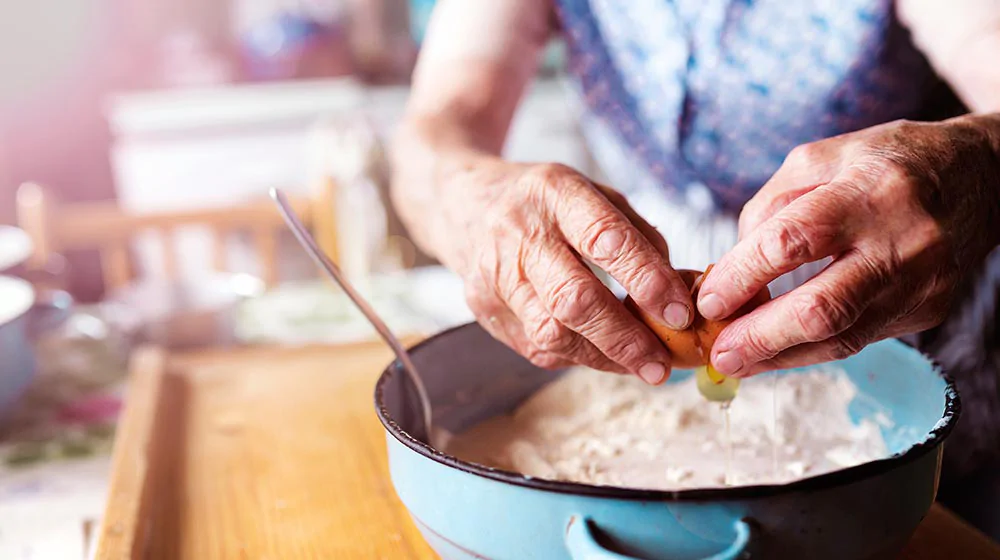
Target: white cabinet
x=194 y=148
x=212 y=147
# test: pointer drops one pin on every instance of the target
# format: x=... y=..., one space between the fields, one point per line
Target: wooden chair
x=55 y=228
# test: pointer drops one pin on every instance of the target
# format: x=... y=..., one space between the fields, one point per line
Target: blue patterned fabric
x=693 y=104
x=713 y=94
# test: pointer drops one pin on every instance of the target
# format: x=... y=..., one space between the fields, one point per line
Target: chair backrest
x=55 y=228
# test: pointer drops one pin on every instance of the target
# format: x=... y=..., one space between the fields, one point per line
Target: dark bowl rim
x=952 y=410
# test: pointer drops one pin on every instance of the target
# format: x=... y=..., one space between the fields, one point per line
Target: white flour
x=606 y=429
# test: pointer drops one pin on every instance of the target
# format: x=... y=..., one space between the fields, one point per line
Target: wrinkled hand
x=520 y=236
x=903 y=208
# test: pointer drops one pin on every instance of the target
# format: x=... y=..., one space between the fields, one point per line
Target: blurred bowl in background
x=184 y=314
x=23 y=317
x=15 y=247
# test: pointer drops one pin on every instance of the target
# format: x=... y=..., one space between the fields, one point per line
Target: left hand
x=903 y=208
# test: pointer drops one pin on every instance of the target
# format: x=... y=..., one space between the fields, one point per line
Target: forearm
x=429 y=153
x=961 y=39
x=479 y=57
x=443 y=135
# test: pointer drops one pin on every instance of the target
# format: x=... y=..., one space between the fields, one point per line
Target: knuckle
x=845 y=346
x=788 y=241
x=821 y=316
x=547 y=174
x=754 y=343
x=576 y=303
x=607 y=239
x=904 y=127
x=757 y=346
x=545 y=360
x=893 y=176
x=894 y=173
x=804 y=155
x=619 y=248
x=548 y=185
x=646 y=281
x=513 y=289
x=551 y=336
x=628 y=350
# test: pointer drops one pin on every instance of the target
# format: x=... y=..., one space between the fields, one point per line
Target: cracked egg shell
x=692 y=347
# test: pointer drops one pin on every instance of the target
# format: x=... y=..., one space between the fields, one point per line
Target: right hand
x=519 y=235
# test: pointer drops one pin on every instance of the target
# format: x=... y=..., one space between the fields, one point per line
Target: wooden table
x=277 y=453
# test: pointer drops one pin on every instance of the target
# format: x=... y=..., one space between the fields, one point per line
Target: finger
x=907 y=305
x=577 y=299
x=498 y=320
x=806 y=167
x=811 y=228
x=647 y=229
x=822 y=308
x=603 y=235
x=548 y=336
x=878 y=323
x=764 y=205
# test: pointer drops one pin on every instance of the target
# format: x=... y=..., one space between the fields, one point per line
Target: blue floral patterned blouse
x=696 y=103
x=713 y=94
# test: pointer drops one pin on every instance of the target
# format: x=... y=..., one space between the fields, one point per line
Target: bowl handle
x=581 y=544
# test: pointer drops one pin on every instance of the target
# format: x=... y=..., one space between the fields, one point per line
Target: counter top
x=277 y=453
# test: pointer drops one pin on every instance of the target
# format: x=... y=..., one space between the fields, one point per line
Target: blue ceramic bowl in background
x=468 y=511
x=23 y=316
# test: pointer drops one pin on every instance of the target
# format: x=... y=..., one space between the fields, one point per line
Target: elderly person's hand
x=903 y=209
x=521 y=237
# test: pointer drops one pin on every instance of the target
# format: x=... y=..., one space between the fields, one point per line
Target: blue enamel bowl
x=468 y=511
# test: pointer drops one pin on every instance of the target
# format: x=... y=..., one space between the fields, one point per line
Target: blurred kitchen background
x=138 y=140
x=167 y=105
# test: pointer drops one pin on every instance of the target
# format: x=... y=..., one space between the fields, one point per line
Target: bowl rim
x=941 y=430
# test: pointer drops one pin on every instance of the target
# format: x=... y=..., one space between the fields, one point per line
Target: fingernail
x=677 y=316
x=728 y=363
x=653 y=373
x=711 y=306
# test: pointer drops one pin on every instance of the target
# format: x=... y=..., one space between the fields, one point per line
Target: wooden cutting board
x=277 y=453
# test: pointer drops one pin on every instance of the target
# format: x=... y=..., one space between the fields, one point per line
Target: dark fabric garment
x=967 y=346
